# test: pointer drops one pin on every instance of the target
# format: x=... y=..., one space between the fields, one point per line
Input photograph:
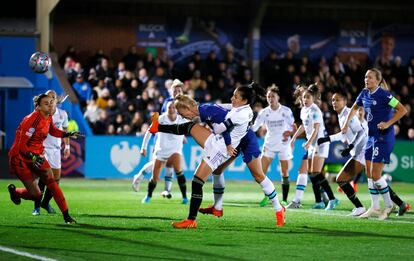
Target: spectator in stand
x=103 y=99
x=92 y=114
x=112 y=109
x=70 y=52
x=99 y=87
x=202 y=94
x=211 y=64
x=110 y=130
x=101 y=125
x=136 y=122
x=92 y=77
x=159 y=79
x=104 y=71
x=410 y=67
x=385 y=59
x=68 y=66
x=196 y=81
x=120 y=71
x=96 y=60
x=83 y=91
x=271 y=69
x=131 y=58
x=134 y=90
x=149 y=62
x=410 y=133
x=143 y=76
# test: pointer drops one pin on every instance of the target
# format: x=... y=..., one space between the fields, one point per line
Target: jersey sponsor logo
x=125 y=158
x=30 y=132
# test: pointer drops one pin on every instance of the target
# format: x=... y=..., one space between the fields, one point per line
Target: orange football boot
x=185 y=224
x=211 y=211
x=281 y=217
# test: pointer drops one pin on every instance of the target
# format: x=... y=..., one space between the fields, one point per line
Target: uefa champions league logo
x=124 y=158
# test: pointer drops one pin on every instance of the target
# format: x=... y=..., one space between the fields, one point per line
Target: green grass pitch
x=114 y=225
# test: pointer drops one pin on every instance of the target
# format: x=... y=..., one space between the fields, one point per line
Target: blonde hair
x=59 y=99
x=273 y=88
x=183 y=101
x=382 y=83
x=297 y=95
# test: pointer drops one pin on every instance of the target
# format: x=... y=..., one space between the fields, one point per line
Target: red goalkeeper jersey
x=31 y=133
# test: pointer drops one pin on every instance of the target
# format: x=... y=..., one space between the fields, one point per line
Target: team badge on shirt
x=30 y=132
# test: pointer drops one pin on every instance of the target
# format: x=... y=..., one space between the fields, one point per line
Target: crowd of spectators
x=119 y=99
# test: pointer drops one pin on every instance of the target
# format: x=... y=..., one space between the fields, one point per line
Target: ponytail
x=382 y=83
x=251 y=92
x=59 y=99
x=314 y=90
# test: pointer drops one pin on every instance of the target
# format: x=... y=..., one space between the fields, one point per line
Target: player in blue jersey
x=382 y=111
x=214 y=114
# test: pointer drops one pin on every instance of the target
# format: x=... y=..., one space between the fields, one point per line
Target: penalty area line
x=26 y=254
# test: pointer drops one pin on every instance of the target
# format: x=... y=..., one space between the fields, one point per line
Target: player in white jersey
x=356 y=137
x=314 y=128
x=175 y=89
x=52 y=147
x=216 y=151
x=302 y=179
x=280 y=125
x=168 y=147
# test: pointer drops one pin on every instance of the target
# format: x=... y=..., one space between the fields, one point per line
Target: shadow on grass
x=79 y=230
x=313 y=230
x=123 y=217
x=111 y=228
x=73 y=252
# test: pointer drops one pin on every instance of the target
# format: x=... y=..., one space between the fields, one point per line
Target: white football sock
x=383 y=189
x=168 y=178
x=147 y=169
x=218 y=191
x=375 y=197
x=301 y=183
x=270 y=191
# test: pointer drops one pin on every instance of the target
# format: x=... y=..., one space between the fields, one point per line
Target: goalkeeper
x=26 y=157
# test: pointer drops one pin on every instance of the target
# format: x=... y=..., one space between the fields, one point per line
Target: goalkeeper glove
x=323 y=140
x=73 y=134
x=346 y=152
x=37 y=160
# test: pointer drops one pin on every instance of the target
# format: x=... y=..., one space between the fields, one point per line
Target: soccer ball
x=40 y=62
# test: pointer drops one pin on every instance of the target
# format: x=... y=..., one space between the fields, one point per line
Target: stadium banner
x=183 y=36
x=74 y=165
x=119 y=157
x=401 y=166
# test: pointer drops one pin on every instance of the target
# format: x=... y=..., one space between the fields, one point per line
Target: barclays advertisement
x=119 y=157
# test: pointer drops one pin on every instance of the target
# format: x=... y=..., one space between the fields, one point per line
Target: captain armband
x=393 y=102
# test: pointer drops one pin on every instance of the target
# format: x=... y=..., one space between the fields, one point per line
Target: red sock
x=58 y=196
x=24 y=194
